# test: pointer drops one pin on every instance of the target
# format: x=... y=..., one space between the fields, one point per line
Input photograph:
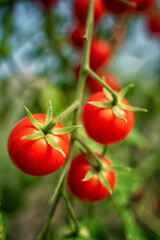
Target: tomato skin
x=36 y=157
x=81 y=10
x=102 y=125
x=144 y=5
x=91 y=190
x=118 y=7
x=77 y=35
x=110 y=79
x=154 y=22
x=100 y=53
x=47 y=3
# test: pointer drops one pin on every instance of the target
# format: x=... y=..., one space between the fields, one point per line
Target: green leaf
x=131 y=228
x=131 y=108
x=101 y=104
x=37 y=135
x=116 y=112
x=108 y=94
x=35 y=123
x=104 y=181
x=124 y=91
x=60 y=131
x=2 y=228
x=132 y=4
x=49 y=113
x=50 y=139
x=89 y=175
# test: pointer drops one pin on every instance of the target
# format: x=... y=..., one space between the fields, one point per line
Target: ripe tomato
x=102 y=125
x=81 y=10
x=91 y=190
x=100 y=53
x=118 y=7
x=110 y=79
x=77 y=35
x=47 y=3
x=154 y=22
x=144 y=5
x=36 y=157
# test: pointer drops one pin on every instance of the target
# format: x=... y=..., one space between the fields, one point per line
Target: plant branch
x=98 y=160
x=44 y=231
x=71 y=212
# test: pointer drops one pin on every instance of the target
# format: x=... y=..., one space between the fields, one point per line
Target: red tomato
x=36 y=157
x=91 y=190
x=110 y=79
x=81 y=10
x=77 y=35
x=154 y=22
x=144 y=5
x=47 y=3
x=100 y=54
x=102 y=125
x=118 y=7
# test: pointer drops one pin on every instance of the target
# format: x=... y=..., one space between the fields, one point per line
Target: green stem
x=132 y=4
x=71 y=212
x=98 y=79
x=76 y=115
x=98 y=160
x=85 y=60
x=66 y=112
x=104 y=151
x=44 y=231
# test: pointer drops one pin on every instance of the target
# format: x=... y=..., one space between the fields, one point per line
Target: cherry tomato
x=36 y=157
x=81 y=10
x=154 y=22
x=100 y=54
x=118 y=7
x=47 y=3
x=91 y=190
x=110 y=79
x=77 y=35
x=102 y=125
x=144 y=5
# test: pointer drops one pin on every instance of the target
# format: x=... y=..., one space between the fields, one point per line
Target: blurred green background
x=36 y=64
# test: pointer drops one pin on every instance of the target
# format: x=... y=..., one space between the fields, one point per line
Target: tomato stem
x=44 y=231
x=62 y=115
x=98 y=160
x=98 y=79
x=71 y=212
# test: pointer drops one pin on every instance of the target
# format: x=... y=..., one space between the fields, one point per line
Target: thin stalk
x=104 y=151
x=98 y=160
x=66 y=112
x=71 y=212
x=86 y=57
x=76 y=115
x=62 y=176
x=44 y=231
x=90 y=72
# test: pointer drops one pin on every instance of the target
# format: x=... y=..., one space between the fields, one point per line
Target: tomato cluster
x=107 y=116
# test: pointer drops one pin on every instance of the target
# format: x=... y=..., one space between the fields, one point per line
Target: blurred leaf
x=2 y=228
x=131 y=229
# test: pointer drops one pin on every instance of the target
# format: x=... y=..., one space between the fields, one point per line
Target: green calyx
x=48 y=129
x=114 y=101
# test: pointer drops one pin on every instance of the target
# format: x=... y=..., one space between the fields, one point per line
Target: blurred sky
x=139 y=51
